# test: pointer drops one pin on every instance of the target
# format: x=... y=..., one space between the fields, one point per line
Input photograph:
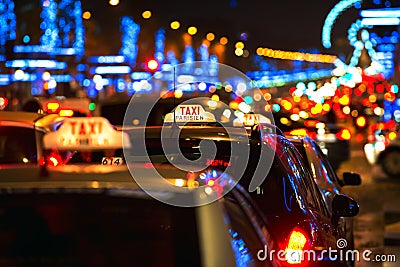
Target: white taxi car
x=21 y=136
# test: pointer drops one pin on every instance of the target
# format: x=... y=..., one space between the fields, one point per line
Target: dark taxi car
x=105 y=219
x=289 y=201
x=92 y=213
x=326 y=178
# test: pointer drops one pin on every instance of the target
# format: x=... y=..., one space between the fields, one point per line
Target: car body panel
x=218 y=245
x=326 y=178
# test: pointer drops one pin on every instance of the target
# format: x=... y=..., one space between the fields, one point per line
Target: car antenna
x=174 y=94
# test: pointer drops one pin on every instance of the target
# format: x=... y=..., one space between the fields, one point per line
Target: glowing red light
x=152 y=65
x=3 y=102
x=53 y=161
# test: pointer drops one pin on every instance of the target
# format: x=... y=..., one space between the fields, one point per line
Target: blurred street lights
x=146 y=14
x=113 y=2
x=223 y=40
x=175 y=25
x=192 y=30
x=86 y=15
x=210 y=36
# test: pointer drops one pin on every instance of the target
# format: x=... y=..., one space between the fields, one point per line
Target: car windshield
x=88 y=229
x=194 y=146
x=17 y=145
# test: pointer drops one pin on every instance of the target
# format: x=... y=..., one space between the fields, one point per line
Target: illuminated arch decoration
x=331 y=18
x=7 y=21
x=359 y=45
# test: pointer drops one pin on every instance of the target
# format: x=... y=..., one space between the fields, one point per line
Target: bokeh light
x=210 y=36
x=175 y=25
x=239 y=45
x=86 y=15
x=113 y=2
x=223 y=40
x=192 y=30
x=146 y=14
x=238 y=52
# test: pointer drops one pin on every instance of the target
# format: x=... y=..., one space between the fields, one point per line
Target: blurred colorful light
x=175 y=25
x=146 y=14
x=192 y=30
x=223 y=40
x=210 y=36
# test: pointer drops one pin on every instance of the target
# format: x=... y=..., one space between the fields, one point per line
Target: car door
x=314 y=201
x=329 y=184
x=250 y=238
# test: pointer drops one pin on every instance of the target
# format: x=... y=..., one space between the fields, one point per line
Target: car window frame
x=306 y=181
x=250 y=211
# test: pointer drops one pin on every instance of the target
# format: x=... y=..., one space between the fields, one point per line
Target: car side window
x=17 y=145
x=306 y=182
x=245 y=232
x=326 y=165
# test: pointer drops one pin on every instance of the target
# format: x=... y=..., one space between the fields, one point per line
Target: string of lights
x=279 y=54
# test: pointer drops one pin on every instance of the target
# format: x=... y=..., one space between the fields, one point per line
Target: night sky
x=278 y=24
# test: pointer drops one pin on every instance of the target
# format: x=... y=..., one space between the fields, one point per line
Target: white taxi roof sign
x=251 y=119
x=83 y=133
x=189 y=113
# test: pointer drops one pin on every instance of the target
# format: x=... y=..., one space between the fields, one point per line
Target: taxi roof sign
x=251 y=119
x=189 y=113
x=82 y=133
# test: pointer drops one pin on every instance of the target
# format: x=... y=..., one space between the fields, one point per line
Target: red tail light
x=53 y=159
x=344 y=134
x=296 y=245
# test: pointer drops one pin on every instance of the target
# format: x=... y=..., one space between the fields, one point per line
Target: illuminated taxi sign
x=85 y=133
x=251 y=119
x=189 y=113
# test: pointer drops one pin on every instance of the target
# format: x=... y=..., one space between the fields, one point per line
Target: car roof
x=39 y=177
x=45 y=121
x=192 y=132
x=90 y=176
